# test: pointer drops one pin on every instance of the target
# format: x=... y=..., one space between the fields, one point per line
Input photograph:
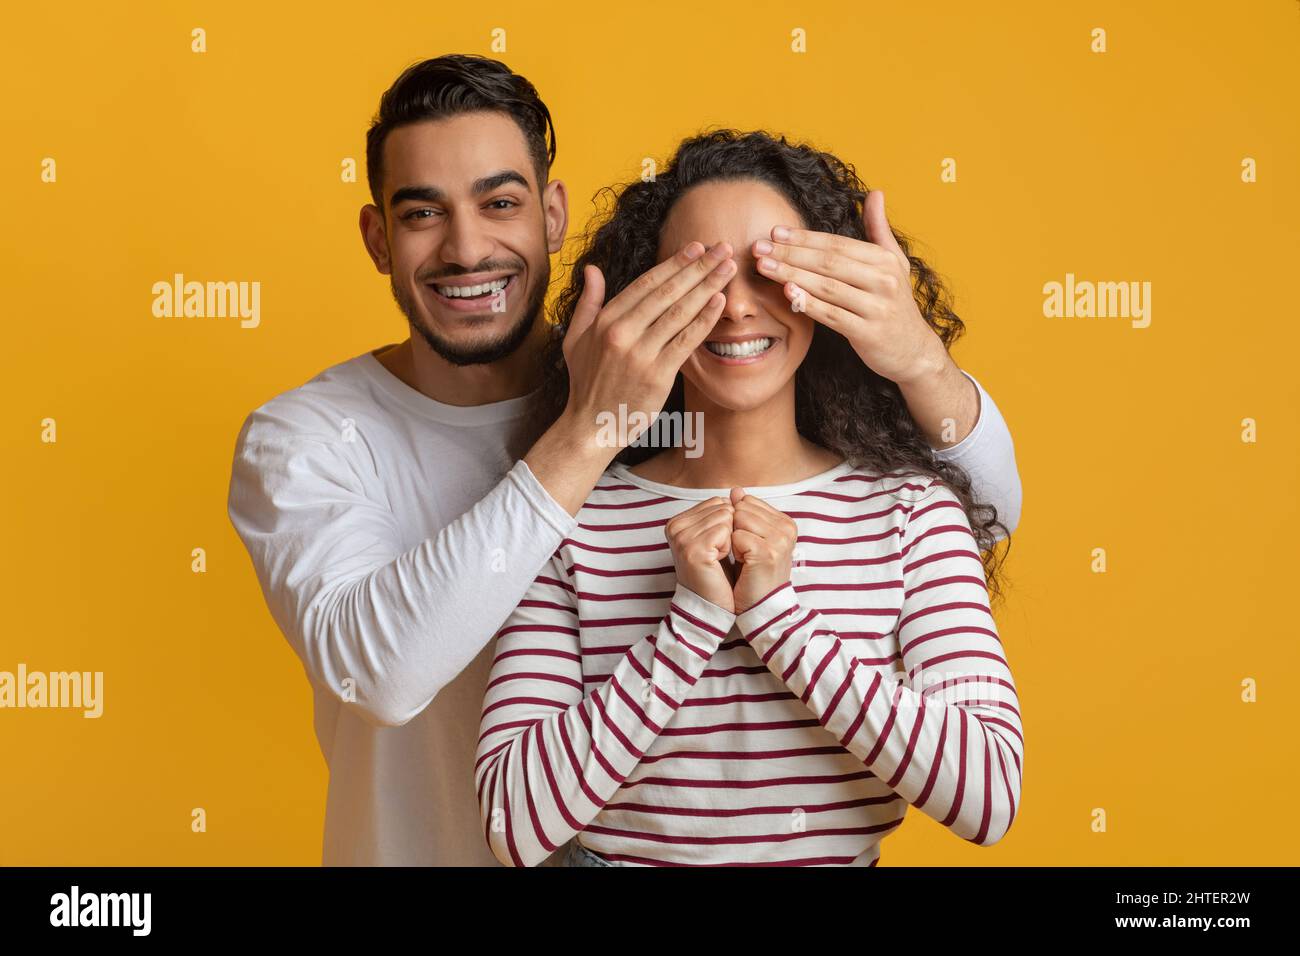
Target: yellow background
x=1122 y=166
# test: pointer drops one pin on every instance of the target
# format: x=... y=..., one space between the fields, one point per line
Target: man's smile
x=474 y=293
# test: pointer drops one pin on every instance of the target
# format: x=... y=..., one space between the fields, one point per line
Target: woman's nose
x=741 y=297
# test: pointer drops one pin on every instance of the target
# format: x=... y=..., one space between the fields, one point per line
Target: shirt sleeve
x=988 y=455
x=381 y=626
x=551 y=754
x=945 y=734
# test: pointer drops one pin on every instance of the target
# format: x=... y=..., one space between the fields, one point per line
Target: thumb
x=588 y=307
x=743 y=544
x=737 y=495
x=877 y=225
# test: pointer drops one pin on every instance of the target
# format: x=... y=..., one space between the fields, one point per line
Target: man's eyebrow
x=497 y=180
x=479 y=186
x=417 y=193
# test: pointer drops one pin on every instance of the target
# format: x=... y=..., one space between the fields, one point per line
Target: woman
x=762 y=654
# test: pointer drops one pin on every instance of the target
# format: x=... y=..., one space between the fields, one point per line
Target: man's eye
x=502 y=204
x=416 y=214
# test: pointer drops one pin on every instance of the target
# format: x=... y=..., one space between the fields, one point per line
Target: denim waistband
x=579 y=855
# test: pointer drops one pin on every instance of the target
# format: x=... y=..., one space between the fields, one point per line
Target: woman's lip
x=733 y=339
x=482 y=304
x=742 y=359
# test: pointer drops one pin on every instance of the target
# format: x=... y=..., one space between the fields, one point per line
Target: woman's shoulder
x=620 y=488
x=908 y=484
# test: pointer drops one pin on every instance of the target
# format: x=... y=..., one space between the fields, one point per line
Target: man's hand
x=863 y=290
x=763 y=540
x=627 y=352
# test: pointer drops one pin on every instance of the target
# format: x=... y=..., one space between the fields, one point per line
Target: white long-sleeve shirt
x=665 y=730
x=392 y=535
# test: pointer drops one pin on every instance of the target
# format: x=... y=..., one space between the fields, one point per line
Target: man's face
x=468 y=236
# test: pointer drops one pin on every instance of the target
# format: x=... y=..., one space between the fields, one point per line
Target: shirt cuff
x=773 y=613
x=962 y=447
x=536 y=494
x=699 y=616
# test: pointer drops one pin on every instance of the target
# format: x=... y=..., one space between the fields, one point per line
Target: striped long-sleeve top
x=662 y=729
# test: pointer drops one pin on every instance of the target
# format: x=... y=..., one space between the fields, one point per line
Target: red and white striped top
x=668 y=731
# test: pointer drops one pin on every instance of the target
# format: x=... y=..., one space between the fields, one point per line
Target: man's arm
x=864 y=291
x=382 y=627
x=385 y=629
x=964 y=426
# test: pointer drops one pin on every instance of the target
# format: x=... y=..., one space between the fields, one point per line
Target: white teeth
x=745 y=349
x=469 y=291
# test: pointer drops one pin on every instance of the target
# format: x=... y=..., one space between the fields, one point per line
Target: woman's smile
x=740 y=349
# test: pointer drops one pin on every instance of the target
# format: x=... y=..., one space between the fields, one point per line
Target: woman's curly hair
x=840 y=403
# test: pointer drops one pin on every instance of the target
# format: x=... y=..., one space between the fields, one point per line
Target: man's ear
x=555 y=206
x=375 y=235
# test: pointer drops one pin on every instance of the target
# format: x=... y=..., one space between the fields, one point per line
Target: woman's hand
x=763 y=540
x=700 y=540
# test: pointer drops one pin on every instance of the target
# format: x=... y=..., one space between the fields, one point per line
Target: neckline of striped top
x=620 y=471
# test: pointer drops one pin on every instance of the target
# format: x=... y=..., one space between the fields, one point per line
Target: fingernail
x=767 y=265
x=762 y=247
x=694 y=250
x=727 y=268
x=780 y=233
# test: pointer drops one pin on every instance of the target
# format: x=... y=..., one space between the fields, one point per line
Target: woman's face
x=758 y=343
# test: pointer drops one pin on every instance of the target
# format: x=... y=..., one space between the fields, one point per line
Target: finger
x=588 y=307
x=720 y=517
x=715 y=531
x=744 y=544
x=832 y=316
x=829 y=290
x=845 y=246
x=680 y=299
x=753 y=519
x=759 y=505
x=737 y=495
x=720 y=540
x=824 y=244
x=690 y=338
x=877 y=226
x=757 y=516
x=652 y=292
x=693 y=514
x=864 y=272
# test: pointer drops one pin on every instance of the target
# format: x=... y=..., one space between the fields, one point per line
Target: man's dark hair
x=453 y=84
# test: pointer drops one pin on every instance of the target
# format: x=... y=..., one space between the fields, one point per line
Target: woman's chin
x=738 y=401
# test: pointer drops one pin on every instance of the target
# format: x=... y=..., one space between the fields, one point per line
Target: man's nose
x=466 y=243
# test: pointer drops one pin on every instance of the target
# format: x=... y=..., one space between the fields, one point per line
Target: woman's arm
x=953 y=747
x=550 y=756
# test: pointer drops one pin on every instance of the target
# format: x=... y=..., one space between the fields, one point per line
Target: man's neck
x=424 y=370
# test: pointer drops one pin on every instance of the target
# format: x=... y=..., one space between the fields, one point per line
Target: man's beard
x=486 y=352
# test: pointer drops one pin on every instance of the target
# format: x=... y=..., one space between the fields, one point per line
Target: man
x=388 y=513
